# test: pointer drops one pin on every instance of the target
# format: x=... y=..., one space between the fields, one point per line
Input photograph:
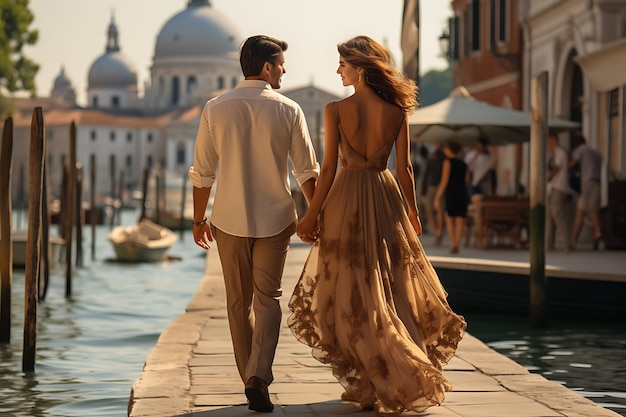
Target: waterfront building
x=496 y=47
x=119 y=130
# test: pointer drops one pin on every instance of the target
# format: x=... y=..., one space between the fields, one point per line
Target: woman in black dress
x=453 y=186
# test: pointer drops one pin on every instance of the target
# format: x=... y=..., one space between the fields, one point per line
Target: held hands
x=202 y=235
x=417 y=224
x=308 y=229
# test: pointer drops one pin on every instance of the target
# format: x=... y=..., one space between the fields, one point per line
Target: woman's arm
x=404 y=171
x=307 y=229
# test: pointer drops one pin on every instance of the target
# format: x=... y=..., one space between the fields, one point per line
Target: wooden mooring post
x=538 y=162
x=6 y=216
x=144 y=192
x=92 y=203
x=33 y=241
x=69 y=214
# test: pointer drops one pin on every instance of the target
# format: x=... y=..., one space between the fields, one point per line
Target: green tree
x=17 y=72
x=434 y=86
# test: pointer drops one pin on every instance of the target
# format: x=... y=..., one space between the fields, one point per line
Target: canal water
x=588 y=357
x=92 y=346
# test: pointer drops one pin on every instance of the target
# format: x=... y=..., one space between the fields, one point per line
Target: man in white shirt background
x=480 y=164
x=590 y=162
x=559 y=193
x=247 y=136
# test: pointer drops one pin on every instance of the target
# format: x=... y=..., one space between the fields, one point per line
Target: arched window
x=175 y=91
x=192 y=83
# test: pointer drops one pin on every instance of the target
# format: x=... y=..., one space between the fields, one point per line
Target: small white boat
x=56 y=247
x=145 y=241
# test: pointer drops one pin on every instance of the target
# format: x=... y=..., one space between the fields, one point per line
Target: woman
x=369 y=302
x=453 y=186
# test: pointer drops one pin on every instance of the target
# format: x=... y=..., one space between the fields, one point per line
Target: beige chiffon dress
x=368 y=301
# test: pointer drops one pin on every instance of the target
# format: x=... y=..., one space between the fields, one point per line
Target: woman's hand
x=308 y=229
x=416 y=223
x=437 y=204
x=202 y=235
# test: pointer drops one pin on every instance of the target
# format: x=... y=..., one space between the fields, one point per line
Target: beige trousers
x=253 y=270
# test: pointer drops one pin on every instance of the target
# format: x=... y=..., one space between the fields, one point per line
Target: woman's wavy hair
x=379 y=71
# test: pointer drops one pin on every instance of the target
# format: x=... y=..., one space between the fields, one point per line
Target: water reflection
x=587 y=357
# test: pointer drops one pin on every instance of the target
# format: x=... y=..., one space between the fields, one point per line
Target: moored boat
x=56 y=245
x=145 y=241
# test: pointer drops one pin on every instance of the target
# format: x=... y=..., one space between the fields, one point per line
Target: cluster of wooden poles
x=37 y=262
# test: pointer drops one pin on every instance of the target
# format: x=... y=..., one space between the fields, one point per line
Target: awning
x=605 y=67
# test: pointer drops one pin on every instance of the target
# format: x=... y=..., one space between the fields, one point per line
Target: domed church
x=119 y=132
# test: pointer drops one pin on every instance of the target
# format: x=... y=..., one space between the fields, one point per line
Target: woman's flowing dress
x=368 y=301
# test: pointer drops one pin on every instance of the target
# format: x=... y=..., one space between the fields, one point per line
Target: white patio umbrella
x=465 y=120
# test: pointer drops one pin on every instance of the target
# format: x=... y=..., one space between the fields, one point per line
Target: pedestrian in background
x=432 y=178
x=480 y=168
x=247 y=136
x=590 y=162
x=453 y=190
x=559 y=194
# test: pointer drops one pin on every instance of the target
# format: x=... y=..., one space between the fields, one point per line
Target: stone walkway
x=191 y=371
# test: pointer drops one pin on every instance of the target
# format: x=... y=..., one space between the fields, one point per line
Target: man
x=480 y=165
x=248 y=135
x=590 y=162
x=431 y=180
x=558 y=194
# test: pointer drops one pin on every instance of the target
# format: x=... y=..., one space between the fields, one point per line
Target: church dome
x=199 y=30
x=62 y=81
x=113 y=69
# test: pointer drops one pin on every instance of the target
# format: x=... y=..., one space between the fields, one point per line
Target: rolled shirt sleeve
x=205 y=158
x=302 y=152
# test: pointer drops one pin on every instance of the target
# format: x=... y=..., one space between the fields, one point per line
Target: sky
x=72 y=34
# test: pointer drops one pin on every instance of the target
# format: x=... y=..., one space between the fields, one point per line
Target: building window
x=498 y=22
x=453 y=45
x=92 y=161
x=112 y=164
x=220 y=82
x=180 y=154
x=149 y=161
x=475 y=25
x=129 y=137
x=129 y=164
x=92 y=134
x=234 y=83
x=112 y=136
x=94 y=102
x=115 y=102
x=191 y=84
x=175 y=91
x=150 y=138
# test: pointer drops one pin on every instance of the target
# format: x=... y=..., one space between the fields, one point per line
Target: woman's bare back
x=368 y=122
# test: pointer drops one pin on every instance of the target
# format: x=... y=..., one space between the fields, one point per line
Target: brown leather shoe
x=258 y=395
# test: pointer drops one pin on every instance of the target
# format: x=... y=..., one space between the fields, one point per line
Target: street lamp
x=444 y=45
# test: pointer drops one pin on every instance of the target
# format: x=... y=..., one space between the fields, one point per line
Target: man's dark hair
x=256 y=51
